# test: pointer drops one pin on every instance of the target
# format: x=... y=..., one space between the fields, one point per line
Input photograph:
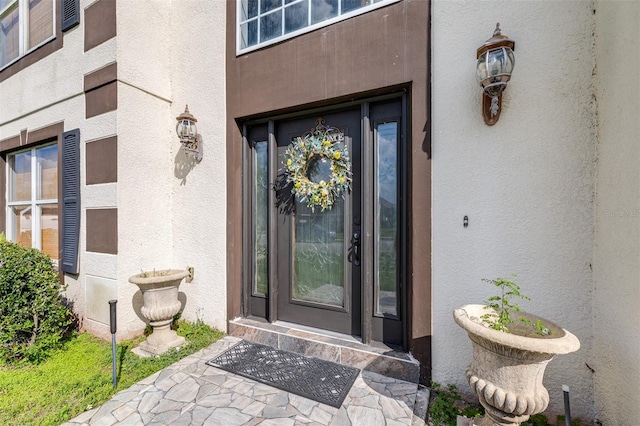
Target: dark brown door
x=319 y=251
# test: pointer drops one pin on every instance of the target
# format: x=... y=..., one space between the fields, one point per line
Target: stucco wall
x=617 y=243
x=199 y=189
x=172 y=209
x=526 y=184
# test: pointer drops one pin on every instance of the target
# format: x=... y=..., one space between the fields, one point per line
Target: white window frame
x=23 y=27
x=34 y=203
x=321 y=24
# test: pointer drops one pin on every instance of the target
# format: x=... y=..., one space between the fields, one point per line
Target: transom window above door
x=24 y=26
x=264 y=22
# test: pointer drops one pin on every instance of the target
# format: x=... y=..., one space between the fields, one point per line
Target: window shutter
x=70 y=14
x=70 y=200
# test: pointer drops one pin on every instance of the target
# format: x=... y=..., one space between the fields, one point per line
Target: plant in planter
x=160 y=304
x=511 y=350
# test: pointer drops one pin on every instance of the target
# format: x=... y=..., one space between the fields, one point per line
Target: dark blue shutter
x=70 y=200
x=70 y=14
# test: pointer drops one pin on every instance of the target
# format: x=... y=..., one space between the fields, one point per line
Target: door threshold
x=330 y=346
x=319 y=331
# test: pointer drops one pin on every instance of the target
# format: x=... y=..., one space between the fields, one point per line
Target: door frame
x=265 y=307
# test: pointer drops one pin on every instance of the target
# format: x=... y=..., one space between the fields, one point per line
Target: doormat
x=322 y=381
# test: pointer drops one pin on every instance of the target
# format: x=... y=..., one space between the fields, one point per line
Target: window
x=24 y=26
x=32 y=216
x=264 y=22
x=261 y=217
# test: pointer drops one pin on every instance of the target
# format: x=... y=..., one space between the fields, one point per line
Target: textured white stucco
x=526 y=184
x=172 y=209
x=199 y=189
x=617 y=244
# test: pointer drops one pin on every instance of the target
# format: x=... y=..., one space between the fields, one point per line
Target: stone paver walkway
x=190 y=392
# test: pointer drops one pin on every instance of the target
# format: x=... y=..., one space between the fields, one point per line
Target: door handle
x=355 y=243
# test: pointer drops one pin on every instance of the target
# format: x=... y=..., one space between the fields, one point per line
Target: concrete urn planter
x=160 y=304
x=506 y=370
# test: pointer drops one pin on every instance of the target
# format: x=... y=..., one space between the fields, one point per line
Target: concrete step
x=342 y=349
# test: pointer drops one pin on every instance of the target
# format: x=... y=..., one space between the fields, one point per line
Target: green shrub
x=33 y=317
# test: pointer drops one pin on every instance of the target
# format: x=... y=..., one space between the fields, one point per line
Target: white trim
x=356 y=12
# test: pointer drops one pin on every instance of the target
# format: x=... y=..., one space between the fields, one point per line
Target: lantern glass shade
x=186 y=130
x=494 y=69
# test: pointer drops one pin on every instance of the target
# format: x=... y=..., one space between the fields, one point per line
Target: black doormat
x=312 y=378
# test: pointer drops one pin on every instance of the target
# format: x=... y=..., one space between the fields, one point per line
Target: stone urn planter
x=160 y=304
x=506 y=370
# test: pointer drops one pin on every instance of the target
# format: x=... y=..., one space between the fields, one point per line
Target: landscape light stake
x=112 y=318
x=567 y=407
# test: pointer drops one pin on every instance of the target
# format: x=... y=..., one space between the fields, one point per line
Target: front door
x=318 y=256
x=341 y=269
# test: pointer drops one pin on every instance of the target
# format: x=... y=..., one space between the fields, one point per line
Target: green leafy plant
x=541 y=420
x=447 y=404
x=442 y=409
x=561 y=420
x=501 y=318
x=502 y=306
x=34 y=319
x=536 y=420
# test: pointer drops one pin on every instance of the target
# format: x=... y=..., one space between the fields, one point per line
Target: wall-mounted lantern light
x=495 y=63
x=188 y=133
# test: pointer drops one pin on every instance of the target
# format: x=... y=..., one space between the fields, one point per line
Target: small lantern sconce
x=495 y=63
x=188 y=133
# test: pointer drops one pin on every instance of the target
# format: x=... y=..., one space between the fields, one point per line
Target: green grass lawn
x=79 y=377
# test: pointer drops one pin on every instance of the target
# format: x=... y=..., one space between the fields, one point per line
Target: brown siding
x=101 y=76
x=101 y=90
x=372 y=53
x=99 y=23
x=102 y=161
x=102 y=230
x=101 y=100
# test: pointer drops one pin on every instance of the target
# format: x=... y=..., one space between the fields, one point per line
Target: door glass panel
x=318 y=254
x=386 y=219
x=20 y=175
x=49 y=225
x=261 y=215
